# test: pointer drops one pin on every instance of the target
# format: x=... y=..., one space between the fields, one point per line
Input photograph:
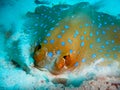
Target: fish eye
x=66 y=57
x=38 y=47
x=67 y=60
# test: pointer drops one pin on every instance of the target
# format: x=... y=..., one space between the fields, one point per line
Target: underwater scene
x=59 y=45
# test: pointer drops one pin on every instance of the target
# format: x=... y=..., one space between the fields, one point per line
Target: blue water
x=17 y=46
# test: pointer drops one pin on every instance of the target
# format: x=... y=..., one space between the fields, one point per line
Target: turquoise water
x=19 y=20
